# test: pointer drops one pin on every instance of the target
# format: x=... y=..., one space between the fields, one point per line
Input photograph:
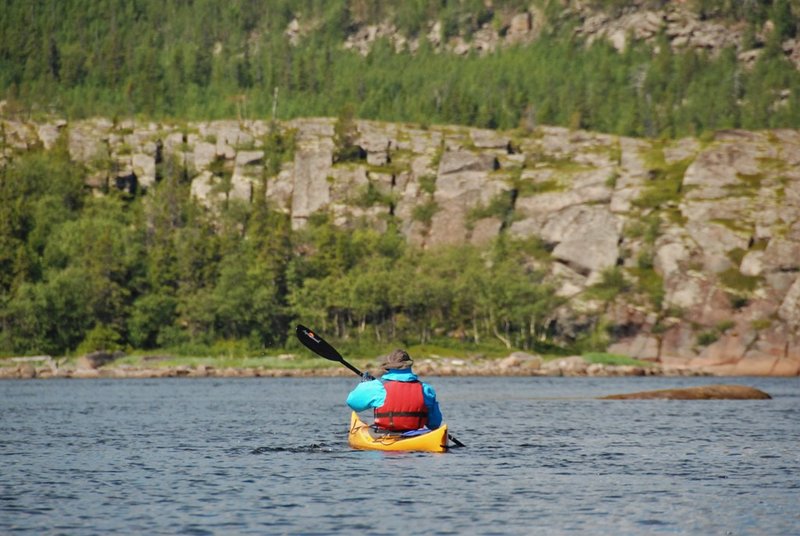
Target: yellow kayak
x=361 y=437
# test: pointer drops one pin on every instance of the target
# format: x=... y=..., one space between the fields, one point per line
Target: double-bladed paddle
x=319 y=346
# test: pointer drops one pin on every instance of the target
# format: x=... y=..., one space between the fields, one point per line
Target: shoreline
x=102 y=366
x=29 y=372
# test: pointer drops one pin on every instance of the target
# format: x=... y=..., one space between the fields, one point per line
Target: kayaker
x=401 y=402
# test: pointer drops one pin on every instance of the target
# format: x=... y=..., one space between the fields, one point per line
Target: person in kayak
x=401 y=402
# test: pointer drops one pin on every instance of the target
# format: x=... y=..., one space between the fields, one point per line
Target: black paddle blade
x=456 y=441
x=317 y=344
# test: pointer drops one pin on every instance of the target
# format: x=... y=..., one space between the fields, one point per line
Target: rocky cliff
x=680 y=24
x=706 y=233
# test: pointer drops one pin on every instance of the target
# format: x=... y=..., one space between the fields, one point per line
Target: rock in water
x=703 y=392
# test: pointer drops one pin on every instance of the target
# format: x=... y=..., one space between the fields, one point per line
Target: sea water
x=270 y=456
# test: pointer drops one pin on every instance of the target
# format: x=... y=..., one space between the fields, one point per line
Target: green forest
x=80 y=272
x=206 y=59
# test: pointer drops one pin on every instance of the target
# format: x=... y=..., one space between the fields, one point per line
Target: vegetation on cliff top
x=206 y=59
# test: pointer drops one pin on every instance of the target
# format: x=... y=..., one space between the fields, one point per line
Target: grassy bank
x=303 y=360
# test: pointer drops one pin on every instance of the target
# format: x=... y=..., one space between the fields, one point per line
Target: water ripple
x=227 y=456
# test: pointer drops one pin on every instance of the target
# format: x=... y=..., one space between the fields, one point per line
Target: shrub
x=101 y=337
x=611 y=284
x=707 y=337
x=424 y=212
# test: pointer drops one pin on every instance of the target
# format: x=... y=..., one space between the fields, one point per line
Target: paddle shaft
x=319 y=346
x=351 y=367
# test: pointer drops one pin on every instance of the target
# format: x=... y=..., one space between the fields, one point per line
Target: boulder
x=26 y=371
x=566 y=366
x=202 y=188
x=204 y=154
x=312 y=166
x=717 y=169
x=519 y=27
x=19 y=135
x=468 y=188
x=781 y=255
x=241 y=186
x=85 y=140
x=230 y=133
x=249 y=158
x=587 y=237
x=490 y=139
x=144 y=167
x=570 y=283
x=555 y=201
x=376 y=141
x=520 y=361
x=752 y=264
x=95 y=360
x=460 y=161
x=49 y=133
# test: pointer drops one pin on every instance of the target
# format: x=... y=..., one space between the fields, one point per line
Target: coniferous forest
x=205 y=59
x=80 y=272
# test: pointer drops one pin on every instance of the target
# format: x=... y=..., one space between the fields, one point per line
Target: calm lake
x=270 y=456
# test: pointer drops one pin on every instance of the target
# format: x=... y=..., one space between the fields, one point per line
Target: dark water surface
x=270 y=456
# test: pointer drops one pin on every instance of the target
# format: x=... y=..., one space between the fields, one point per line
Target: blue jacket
x=371 y=395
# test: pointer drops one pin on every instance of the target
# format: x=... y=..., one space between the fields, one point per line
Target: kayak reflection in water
x=401 y=401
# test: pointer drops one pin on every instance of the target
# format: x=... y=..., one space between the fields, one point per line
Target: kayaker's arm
x=434 y=413
x=367 y=395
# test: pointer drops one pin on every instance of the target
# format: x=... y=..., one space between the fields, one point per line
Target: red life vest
x=404 y=407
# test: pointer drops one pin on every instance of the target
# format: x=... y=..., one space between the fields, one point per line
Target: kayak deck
x=360 y=437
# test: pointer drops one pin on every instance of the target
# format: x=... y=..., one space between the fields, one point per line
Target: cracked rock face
x=724 y=249
x=586 y=237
